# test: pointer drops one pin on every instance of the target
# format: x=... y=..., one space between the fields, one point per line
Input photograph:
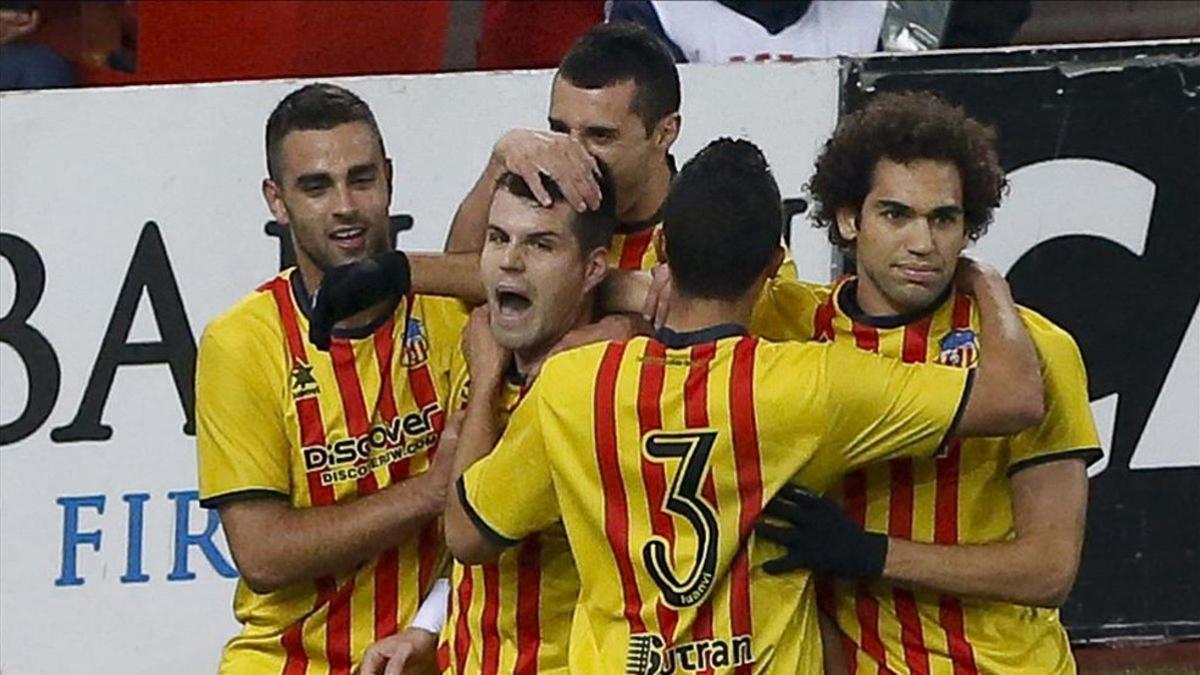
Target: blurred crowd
x=46 y=44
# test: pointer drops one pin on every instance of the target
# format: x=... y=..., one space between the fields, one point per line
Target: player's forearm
x=1007 y=395
x=481 y=424
x=448 y=274
x=469 y=226
x=1017 y=571
x=282 y=546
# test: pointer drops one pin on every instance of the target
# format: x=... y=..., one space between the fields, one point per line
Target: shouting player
x=658 y=454
x=983 y=541
x=321 y=463
x=540 y=269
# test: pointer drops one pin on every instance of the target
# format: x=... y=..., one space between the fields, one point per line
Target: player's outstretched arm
x=1007 y=394
x=275 y=544
x=1036 y=567
x=525 y=152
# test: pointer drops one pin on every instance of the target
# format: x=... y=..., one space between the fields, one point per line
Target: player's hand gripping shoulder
x=411 y=651
x=819 y=536
x=529 y=152
x=349 y=289
x=1007 y=394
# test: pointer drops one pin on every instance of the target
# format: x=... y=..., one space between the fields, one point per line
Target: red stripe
x=634 y=249
x=950 y=615
x=916 y=341
x=823 y=320
x=529 y=591
x=462 y=631
x=489 y=618
x=387 y=567
x=866 y=337
x=961 y=317
x=650 y=387
x=616 y=509
x=749 y=479
x=696 y=417
x=866 y=608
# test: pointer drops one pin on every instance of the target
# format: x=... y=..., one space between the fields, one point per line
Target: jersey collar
x=847 y=300
x=675 y=340
x=639 y=225
x=304 y=302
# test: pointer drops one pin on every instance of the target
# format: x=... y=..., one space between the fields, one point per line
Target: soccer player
x=657 y=454
x=615 y=99
x=983 y=541
x=321 y=464
x=541 y=268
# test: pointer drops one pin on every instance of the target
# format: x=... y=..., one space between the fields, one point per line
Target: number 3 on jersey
x=691 y=449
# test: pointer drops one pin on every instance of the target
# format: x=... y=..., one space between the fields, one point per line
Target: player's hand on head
x=349 y=289
x=530 y=152
x=658 y=298
x=819 y=536
x=411 y=651
x=486 y=359
x=971 y=274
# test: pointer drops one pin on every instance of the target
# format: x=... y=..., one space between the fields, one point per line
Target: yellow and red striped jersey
x=658 y=456
x=512 y=615
x=959 y=497
x=279 y=419
x=634 y=250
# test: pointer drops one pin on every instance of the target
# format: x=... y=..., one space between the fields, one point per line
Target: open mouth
x=349 y=237
x=512 y=303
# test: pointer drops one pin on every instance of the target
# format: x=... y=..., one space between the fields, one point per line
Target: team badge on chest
x=416 y=348
x=958 y=348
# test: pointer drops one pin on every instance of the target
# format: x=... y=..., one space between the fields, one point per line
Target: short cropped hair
x=317 y=106
x=904 y=127
x=615 y=52
x=723 y=220
x=593 y=228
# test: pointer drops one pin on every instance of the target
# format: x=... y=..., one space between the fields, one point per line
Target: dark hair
x=614 y=52
x=593 y=228
x=904 y=127
x=723 y=220
x=315 y=106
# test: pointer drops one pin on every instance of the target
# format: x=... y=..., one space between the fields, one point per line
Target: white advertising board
x=107 y=563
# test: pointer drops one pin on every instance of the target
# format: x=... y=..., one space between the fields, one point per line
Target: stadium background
x=129 y=217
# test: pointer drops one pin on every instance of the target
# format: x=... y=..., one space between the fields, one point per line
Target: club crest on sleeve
x=958 y=348
x=416 y=347
x=303 y=382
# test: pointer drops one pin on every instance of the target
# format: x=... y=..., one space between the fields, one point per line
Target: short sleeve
x=786 y=310
x=880 y=408
x=243 y=449
x=510 y=493
x=1067 y=430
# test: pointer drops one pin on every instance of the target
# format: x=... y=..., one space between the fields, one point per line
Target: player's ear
x=387 y=173
x=667 y=130
x=776 y=261
x=595 y=268
x=274 y=198
x=660 y=245
x=847 y=222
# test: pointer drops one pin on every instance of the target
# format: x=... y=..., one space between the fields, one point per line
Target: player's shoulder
x=252 y=318
x=582 y=365
x=1044 y=332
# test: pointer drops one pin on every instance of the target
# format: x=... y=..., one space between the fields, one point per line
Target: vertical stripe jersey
x=278 y=419
x=512 y=615
x=657 y=456
x=961 y=496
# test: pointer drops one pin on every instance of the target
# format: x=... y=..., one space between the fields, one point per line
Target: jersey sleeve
x=243 y=449
x=787 y=269
x=786 y=309
x=880 y=408
x=1068 y=430
x=510 y=493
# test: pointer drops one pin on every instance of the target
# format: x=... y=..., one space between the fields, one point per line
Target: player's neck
x=647 y=204
x=686 y=315
x=874 y=303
